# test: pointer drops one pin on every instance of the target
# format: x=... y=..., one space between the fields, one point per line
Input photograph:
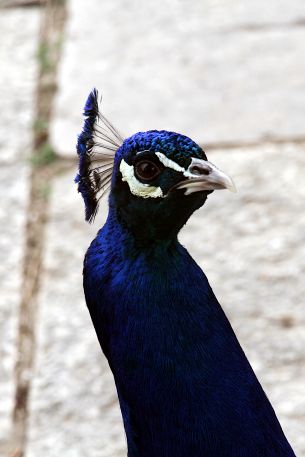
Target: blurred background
x=229 y=74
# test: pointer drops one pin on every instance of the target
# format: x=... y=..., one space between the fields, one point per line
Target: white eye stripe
x=168 y=163
x=173 y=165
x=136 y=187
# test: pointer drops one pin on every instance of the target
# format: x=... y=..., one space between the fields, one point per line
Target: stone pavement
x=219 y=71
x=18 y=46
x=74 y=409
x=231 y=74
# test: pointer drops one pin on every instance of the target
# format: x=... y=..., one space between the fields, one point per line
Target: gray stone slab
x=228 y=71
x=19 y=31
x=74 y=410
x=251 y=246
x=18 y=76
x=13 y=189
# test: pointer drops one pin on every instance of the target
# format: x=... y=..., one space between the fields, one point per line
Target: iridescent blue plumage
x=174 y=145
x=185 y=386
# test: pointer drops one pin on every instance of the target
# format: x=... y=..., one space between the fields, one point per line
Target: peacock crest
x=96 y=148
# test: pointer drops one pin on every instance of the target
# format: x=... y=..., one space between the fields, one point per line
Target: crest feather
x=96 y=147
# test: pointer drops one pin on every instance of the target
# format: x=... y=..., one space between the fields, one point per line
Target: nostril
x=196 y=170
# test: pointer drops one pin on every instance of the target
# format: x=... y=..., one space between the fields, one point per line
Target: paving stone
x=13 y=188
x=74 y=410
x=250 y=245
x=226 y=71
x=19 y=30
x=18 y=49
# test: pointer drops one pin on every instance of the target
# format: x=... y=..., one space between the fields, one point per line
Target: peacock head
x=157 y=179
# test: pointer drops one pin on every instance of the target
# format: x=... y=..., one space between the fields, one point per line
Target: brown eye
x=146 y=170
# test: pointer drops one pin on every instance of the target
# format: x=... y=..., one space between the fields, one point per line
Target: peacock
x=184 y=384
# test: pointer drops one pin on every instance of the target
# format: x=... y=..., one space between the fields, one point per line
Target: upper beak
x=203 y=175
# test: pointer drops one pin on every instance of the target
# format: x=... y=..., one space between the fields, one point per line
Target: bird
x=184 y=384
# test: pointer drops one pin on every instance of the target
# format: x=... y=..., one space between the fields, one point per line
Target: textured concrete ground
x=229 y=73
x=18 y=44
x=220 y=71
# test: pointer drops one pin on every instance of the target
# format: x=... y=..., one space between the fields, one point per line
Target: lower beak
x=203 y=175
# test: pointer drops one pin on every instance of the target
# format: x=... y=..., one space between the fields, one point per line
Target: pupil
x=147 y=169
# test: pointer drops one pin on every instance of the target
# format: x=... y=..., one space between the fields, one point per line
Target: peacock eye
x=147 y=170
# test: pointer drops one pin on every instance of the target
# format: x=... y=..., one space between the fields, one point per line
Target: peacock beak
x=203 y=175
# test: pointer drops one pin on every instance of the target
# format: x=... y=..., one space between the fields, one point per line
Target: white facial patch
x=136 y=187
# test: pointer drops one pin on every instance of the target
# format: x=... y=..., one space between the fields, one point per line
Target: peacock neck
x=135 y=237
x=151 y=221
